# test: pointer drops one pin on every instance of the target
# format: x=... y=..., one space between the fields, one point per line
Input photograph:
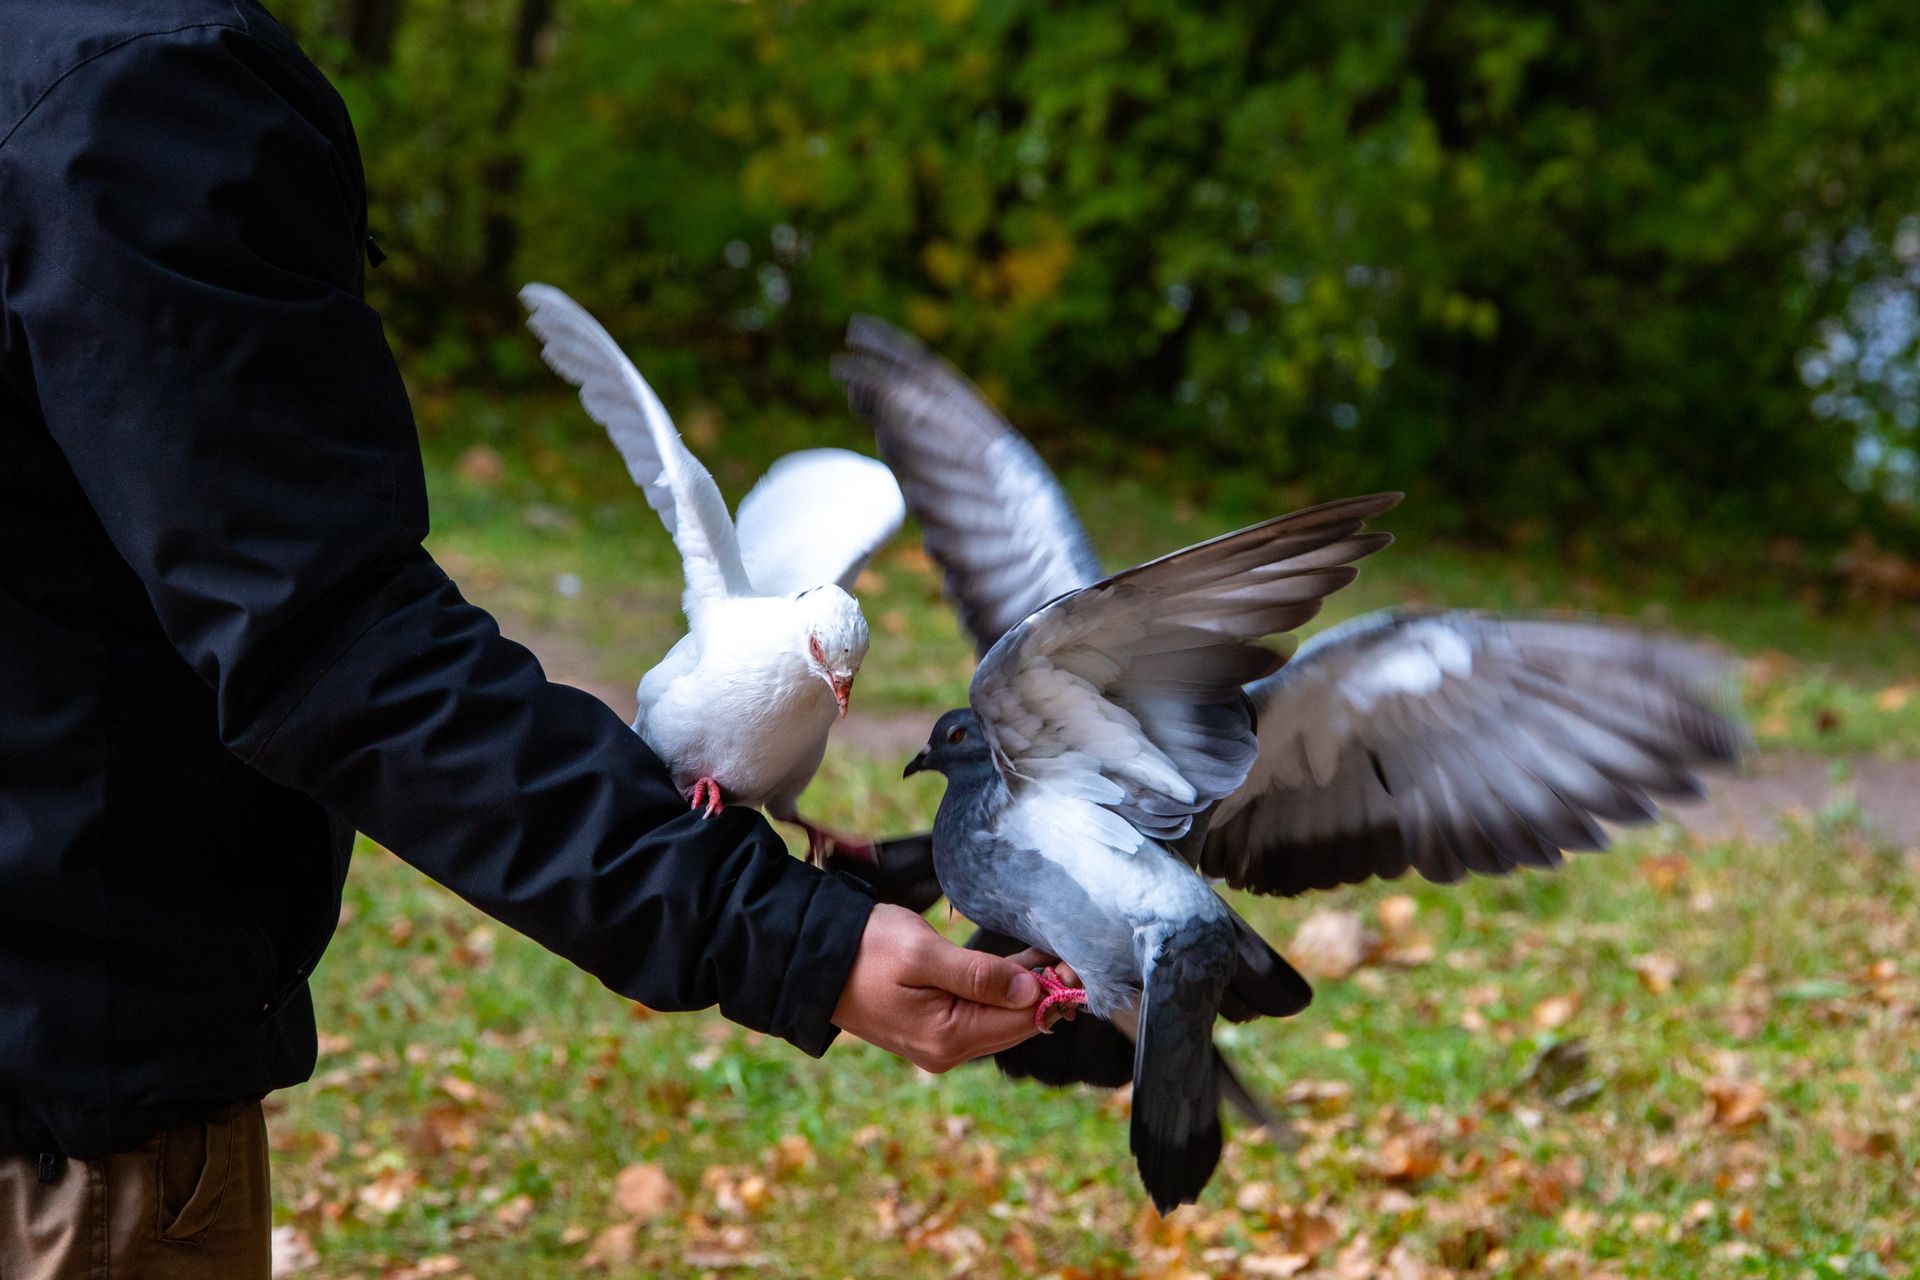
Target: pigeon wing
x=674 y=482
x=992 y=515
x=1452 y=742
x=1127 y=693
x=816 y=517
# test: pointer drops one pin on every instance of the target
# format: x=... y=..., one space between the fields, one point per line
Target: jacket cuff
x=823 y=952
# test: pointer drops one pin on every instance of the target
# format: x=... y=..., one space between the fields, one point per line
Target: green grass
x=477 y=1097
x=1673 y=1060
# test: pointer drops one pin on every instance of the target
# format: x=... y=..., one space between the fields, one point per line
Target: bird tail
x=899 y=871
x=1241 y=1098
x=1263 y=985
x=1176 y=1136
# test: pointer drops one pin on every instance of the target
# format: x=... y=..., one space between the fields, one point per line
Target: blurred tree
x=1566 y=269
x=371 y=25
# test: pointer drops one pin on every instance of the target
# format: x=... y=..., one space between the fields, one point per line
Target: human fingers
x=978 y=977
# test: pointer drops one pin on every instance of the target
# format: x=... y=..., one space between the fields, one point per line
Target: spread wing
x=991 y=512
x=816 y=517
x=674 y=482
x=1452 y=742
x=1128 y=692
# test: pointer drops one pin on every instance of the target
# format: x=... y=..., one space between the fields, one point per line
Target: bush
x=1555 y=267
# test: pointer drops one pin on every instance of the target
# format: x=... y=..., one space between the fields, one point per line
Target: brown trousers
x=192 y=1204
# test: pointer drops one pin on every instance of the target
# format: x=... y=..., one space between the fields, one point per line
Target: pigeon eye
x=956 y=734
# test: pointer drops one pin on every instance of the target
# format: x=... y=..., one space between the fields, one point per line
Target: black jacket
x=222 y=647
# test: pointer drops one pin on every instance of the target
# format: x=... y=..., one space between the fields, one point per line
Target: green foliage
x=1553 y=267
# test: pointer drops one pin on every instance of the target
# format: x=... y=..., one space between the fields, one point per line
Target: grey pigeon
x=1443 y=740
x=1446 y=741
x=1099 y=730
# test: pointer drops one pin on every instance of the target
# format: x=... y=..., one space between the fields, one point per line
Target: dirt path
x=1774 y=787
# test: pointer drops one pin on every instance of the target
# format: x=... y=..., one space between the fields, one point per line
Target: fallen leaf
x=1665 y=871
x=754 y=1193
x=1330 y=944
x=388 y=1190
x=1406 y=1158
x=1578 y=1222
x=613 y=1247
x=1322 y=1097
x=1736 y=1104
x=1875 y=1145
x=1657 y=972
x=514 y=1213
x=1396 y=913
x=792 y=1154
x=1024 y=1250
x=1556 y=1011
x=643 y=1192
x=445 y=1127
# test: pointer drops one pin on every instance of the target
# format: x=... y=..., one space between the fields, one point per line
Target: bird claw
x=1057 y=994
x=706 y=793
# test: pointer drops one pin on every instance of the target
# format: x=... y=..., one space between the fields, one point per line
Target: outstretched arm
x=180 y=294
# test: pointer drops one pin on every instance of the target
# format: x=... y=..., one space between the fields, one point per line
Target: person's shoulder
x=49 y=45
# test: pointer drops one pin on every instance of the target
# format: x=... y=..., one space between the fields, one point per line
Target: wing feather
x=817 y=517
x=1128 y=692
x=1452 y=742
x=992 y=515
x=577 y=348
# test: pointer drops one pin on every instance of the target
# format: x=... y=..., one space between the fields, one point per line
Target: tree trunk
x=371 y=25
x=501 y=172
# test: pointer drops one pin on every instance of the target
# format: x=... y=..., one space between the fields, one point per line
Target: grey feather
x=1453 y=743
x=1175 y=1134
x=1159 y=653
x=1457 y=742
x=964 y=470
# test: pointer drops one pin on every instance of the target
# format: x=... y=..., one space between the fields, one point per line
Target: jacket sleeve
x=181 y=232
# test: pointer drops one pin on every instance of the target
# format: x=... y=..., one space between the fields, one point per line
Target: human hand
x=913 y=993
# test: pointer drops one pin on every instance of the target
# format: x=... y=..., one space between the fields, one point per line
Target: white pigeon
x=739 y=710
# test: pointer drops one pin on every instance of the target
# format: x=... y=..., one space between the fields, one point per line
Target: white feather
x=1432 y=655
x=674 y=482
x=816 y=517
x=745 y=697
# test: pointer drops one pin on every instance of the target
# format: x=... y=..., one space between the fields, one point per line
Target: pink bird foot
x=821 y=843
x=706 y=792
x=1058 y=994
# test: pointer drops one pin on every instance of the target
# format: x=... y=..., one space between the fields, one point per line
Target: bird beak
x=918 y=764
x=842 y=690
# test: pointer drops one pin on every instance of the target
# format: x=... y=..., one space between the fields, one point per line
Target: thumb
x=982 y=978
